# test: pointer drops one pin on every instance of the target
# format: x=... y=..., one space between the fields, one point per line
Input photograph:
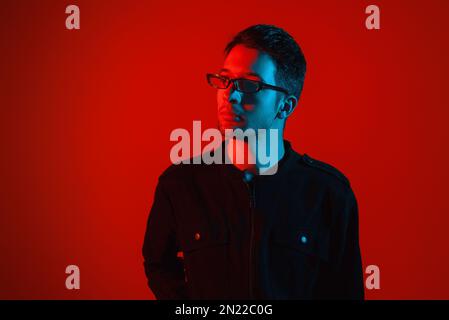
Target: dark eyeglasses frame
x=261 y=85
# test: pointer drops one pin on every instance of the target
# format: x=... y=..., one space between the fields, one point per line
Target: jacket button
x=197 y=236
x=303 y=239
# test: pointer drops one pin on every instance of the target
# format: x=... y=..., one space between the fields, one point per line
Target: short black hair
x=281 y=47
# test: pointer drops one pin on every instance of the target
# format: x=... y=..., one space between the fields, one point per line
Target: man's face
x=254 y=110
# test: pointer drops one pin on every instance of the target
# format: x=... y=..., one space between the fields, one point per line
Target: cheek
x=220 y=97
x=265 y=104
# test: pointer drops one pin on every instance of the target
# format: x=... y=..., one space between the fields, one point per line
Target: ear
x=288 y=105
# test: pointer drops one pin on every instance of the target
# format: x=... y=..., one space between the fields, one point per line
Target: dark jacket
x=291 y=235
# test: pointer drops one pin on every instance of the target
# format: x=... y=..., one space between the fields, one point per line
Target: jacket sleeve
x=163 y=269
x=349 y=275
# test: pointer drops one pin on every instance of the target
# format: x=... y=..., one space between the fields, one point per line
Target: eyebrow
x=246 y=73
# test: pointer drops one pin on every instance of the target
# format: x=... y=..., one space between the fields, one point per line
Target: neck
x=258 y=154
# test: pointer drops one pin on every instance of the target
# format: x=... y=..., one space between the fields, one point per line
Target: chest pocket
x=198 y=237
x=311 y=242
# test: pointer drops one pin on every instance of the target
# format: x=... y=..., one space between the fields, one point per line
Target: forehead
x=243 y=60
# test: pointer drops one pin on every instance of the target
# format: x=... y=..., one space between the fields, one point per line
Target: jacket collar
x=284 y=165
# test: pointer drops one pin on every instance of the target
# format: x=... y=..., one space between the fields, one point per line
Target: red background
x=86 y=117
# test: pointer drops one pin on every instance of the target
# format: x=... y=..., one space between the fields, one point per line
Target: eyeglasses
x=241 y=84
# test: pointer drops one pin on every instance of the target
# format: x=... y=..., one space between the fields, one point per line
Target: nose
x=231 y=95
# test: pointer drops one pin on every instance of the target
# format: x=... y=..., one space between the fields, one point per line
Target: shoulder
x=183 y=171
x=323 y=168
x=324 y=176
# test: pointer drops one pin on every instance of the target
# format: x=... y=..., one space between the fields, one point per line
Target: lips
x=230 y=117
x=230 y=120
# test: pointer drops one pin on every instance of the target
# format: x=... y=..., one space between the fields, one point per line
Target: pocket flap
x=195 y=238
x=306 y=240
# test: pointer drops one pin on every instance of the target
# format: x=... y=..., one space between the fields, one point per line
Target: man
x=234 y=231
